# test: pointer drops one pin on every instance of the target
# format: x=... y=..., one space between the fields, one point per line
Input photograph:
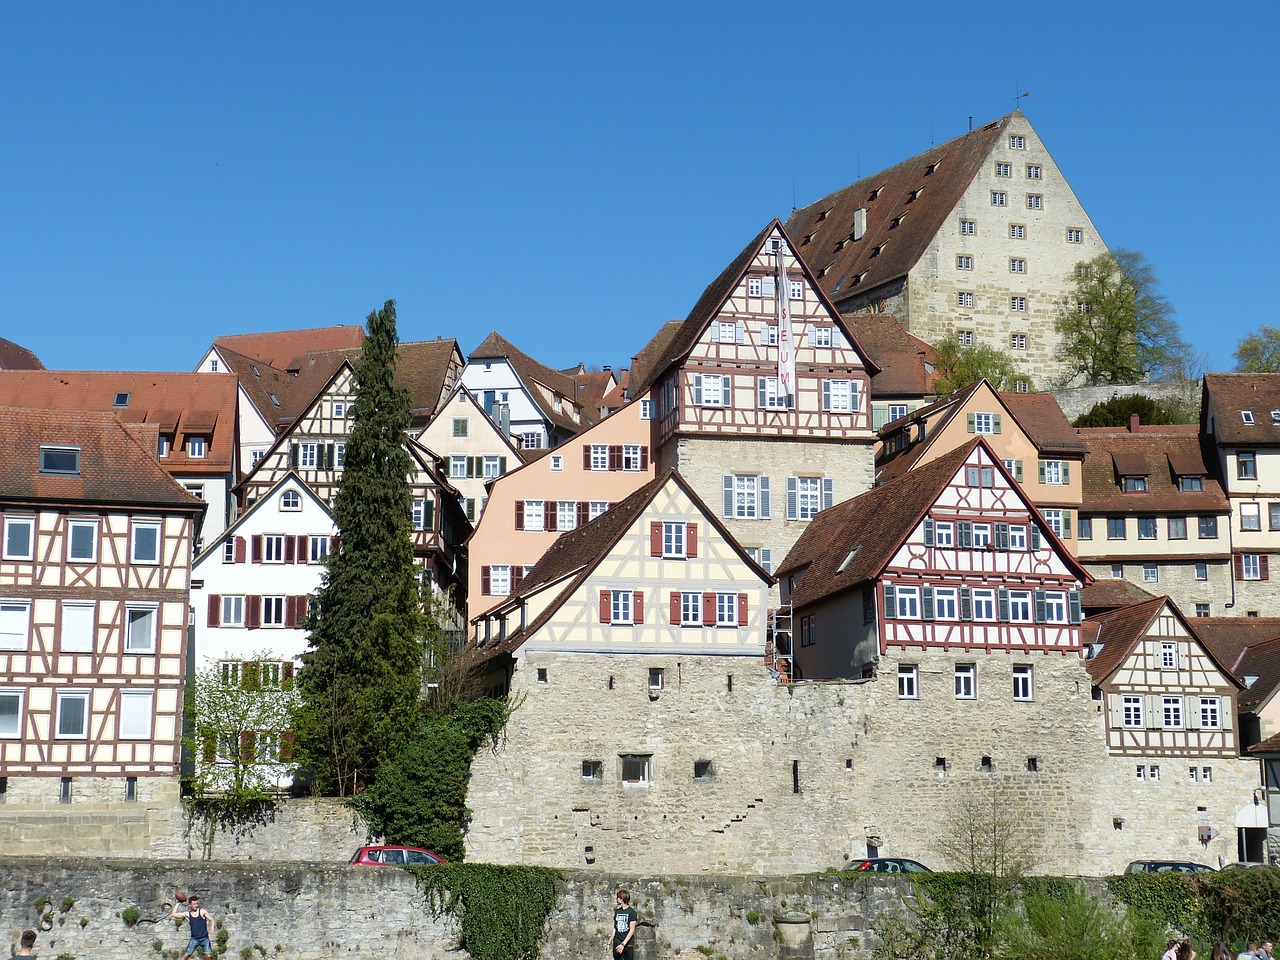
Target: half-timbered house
x=94 y=589
x=532 y=402
x=769 y=457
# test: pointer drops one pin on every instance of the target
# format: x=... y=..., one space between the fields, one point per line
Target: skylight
x=60 y=460
x=1246 y=416
x=122 y=399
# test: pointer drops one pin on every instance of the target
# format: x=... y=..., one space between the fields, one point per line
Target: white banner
x=786 y=345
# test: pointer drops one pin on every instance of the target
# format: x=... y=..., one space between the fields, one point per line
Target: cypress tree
x=361 y=678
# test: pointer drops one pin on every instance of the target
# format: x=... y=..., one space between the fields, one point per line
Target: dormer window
x=162 y=445
x=121 y=400
x=274 y=399
x=1191 y=484
x=60 y=460
x=196 y=447
x=1275 y=416
x=1135 y=484
x=1246 y=416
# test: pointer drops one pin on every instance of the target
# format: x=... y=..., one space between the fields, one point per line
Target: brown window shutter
x=517 y=576
x=644 y=457
x=286 y=669
x=615 y=456
x=550 y=515
x=586 y=456
x=484 y=581
x=742 y=609
x=676 y=608
x=637 y=606
x=215 y=610
x=210 y=746
x=335 y=544
x=1263 y=572
x=655 y=538
x=248 y=740
x=290 y=550
x=606 y=606
x=1239 y=563
x=584 y=512
x=519 y=514
x=290 y=611
x=302 y=551
x=709 y=608
x=286 y=746
x=691 y=540
x=240 y=549
x=257 y=549
x=253 y=611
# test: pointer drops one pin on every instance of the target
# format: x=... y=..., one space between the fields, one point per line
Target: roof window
x=1275 y=416
x=823 y=215
x=60 y=460
x=1246 y=416
x=255 y=370
x=122 y=399
x=274 y=399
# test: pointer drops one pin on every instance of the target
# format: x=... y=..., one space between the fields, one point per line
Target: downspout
x=1231 y=561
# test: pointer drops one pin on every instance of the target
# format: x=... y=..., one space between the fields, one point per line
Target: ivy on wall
x=1232 y=905
x=501 y=911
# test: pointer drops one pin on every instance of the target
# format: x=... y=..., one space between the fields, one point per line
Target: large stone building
x=975 y=240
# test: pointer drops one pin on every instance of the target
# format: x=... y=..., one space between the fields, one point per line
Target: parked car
x=1166 y=866
x=1242 y=864
x=395 y=856
x=887 y=865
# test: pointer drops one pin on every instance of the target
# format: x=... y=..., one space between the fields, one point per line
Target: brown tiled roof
x=616 y=398
x=261 y=382
x=712 y=300
x=1146 y=454
x=116 y=468
x=1269 y=745
x=1104 y=595
x=423 y=367
x=193 y=397
x=901 y=461
x=1229 y=637
x=1227 y=394
x=312 y=373
x=1261 y=660
x=908 y=365
x=14 y=357
x=590 y=390
x=1119 y=631
x=1044 y=422
x=919 y=194
x=278 y=348
x=495 y=346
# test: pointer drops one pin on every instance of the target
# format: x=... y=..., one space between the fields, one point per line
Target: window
x=196 y=447
x=10 y=713
x=593 y=770
x=655 y=678
x=1246 y=465
x=673 y=540
x=1171 y=713
x=566 y=515
x=73 y=713
x=1017 y=231
x=632 y=457
x=1004 y=169
x=944 y=534
x=746 y=497
x=492 y=467
x=596 y=507
x=82 y=541
x=711 y=390
x=621 y=610
x=146 y=542
x=457 y=468
x=1017 y=265
x=1019 y=606
x=726 y=331
x=1084 y=525
x=999 y=198
x=1202 y=571
x=499 y=580
x=980 y=534
x=557 y=463
x=79 y=626
x=1033 y=171
x=1251 y=567
x=1191 y=484
x=964 y=298
x=1017 y=142
x=319 y=549
x=820 y=336
x=1208 y=528
x=1132 y=711
x=1135 y=484
x=273 y=611
x=1023 y=686
x=1150 y=573
x=460 y=424
x=841 y=396
x=140 y=634
x=966 y=681
x=984 y=423
x=968 y=228
x=232 y=611
x=984 y=604
x=1018 y=537
x=1202 y=610
x=805 y=497
x=534 y=515
x=1273 y=516
x=769 y=334
x=635 y=768
x=1177 y=528
x=1210 y=713
x=1168 y=655
x=60 y=460
x=15 y=619
x=965 y=337
x=1116 y=528
x=19 y=537
x=908 y=681
x=1117 y=571
x=273 y=548
x=162 y=446
x=531 y=441
x=703 y=770
x=646 y=409
x=1146 y=528
x=1074 y=235
x=896 y=411
x=726 y=609
x=1018 y=341
x=1250 y=516
x=599 y=456
x=691 y=609
x=1019 y=305
x=1055 y=608
x=1035 y=201
x=136 y=708
x=1246 y=416
x=964 y=262
x=907 y=602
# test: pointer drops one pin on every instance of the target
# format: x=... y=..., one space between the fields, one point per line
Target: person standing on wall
x=201 y=922
x=624 y=928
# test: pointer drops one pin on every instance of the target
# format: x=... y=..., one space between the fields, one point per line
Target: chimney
x=859 y=223
x=1134 y=422
x=504 y=418
x=608 y=369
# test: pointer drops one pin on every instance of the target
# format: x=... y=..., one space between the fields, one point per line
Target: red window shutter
x=247 y=743
x=335 y=544
x=519 y=514
x=691 y=540
x=637 y=606
x=290 y=550
x=615 y=456
x=709 y=608
x=550 y=518
x=287 y=741
x=1263 y=572
x=1239 y=560
x=676 y=610
x=584 y=512
x=517 y=576
x=257 y=549
x=586 y=456
x=655 y=538
x=742 y=609
x=644 y=457
x=606 y=606
x=484 y=581
x=253 y=612
x=239 y=549
x=302 y=553
x=290 y=612
x=215 y=610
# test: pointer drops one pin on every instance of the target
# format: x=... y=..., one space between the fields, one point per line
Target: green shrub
x=67 y=904
x=501 y=911
x=130 y=916
x=1075 y=926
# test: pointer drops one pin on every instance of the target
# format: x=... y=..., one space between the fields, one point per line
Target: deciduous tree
x=1259 y=352
x=959 y=366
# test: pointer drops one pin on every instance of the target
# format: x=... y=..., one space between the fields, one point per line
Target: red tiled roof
x=1119 y=631
x=116 y=467
x=906 y=206
x=1227 y=395
x=908 y=365
x=277 y=348
x=1267 y=746
x=1261 y=660
x=1146 y=454
x=14 y=357
x=1044 y=422
x=1104 y=595
x=1229 y=637
x=261 y=382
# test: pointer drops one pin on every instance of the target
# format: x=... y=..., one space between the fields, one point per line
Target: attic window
x=273 y=399
x=807 y=238
x=823 y=215
x=60 y=460
x=876 y=252
x=839 y=283
x=849 y=559
x=122 y=399
x=915 y=195
x=874 y=194
x=933 y=168
x=897 y=221
x=1275 y=416
x=255 y=370
x=822 y=273
x=1246 y=416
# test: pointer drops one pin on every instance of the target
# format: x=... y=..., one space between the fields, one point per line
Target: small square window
x=1017 y=265
x=593 y=770
x=557 y=463
x=1074 y=235
x=656 y=676
x=703 y=770
x=1033 y=171
x=1035 y=201
x=999 y=198
x=964 y=299
x=966 y=681
x=1004 y=169
x=964 y=262
x=636 y=768
x=460 y=426
x=1017 y=231
x=964 y=338
x=542 y=674
x=1019 y=305
x=968 y=228
x=1017 y=142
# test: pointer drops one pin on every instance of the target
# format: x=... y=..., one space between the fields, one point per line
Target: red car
x=392 y=856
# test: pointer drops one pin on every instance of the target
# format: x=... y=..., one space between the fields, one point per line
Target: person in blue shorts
x=201 y=923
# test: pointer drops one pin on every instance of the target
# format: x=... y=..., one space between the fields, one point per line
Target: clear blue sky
x=573 y=174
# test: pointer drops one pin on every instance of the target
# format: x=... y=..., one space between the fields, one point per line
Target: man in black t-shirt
x=624 y=928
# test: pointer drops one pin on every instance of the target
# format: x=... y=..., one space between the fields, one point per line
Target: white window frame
x=712 y=390
x=908 y=681
x=308 y=455
x=690 y=609
x=1250 y=566
x=140 y=526
x=599 y=458
x=492 y=464
x=290 y=501
x=984 y=600
x=944 y=534
x=968 y=228
x=500 y=580
x=1055 y=607
x=1133 y=712
x=631 y=457
x=1018 y=305
x=65 y=697
x=1211 y=713
x=767 y=391
x=674 y=540
x=1024 y=684
x=1074 y=235
x=14 y=524
x=17 y=697
x=808 y=497
x=1017 y=231
x=232 y=614
x=841 y=396
x=906 y=603
x=141 y=627
x=822 y=335
x=557 y=463
x=727 y=610
x=622 y=607
x=596 y=508
x=1168 y=654
x=1017 y=537
x=945 y=603
x=273 y=548
x=457 y=467
x=984 y=423
x=1017 y=265
x=1150 y=573
x=566 y=515
x=90 y=525
x=317 y=548
x=136 y=711
x=964 y=298
x=1021 y=607
x=1034 y=171
x=999 y=198
x=1172 y=713
x=535 y=509
x=15 y=624
x=1035 y=201
x=966 y=681
x=964 y=261
x=746 y=497
x=1017 y=142
x=273 y=612
x=75 y=635
x=197 y=447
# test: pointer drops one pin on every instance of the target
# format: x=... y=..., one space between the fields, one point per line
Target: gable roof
x=683 y=337
x=261 y=382
x=1226 y=395
x=1230 y=637
x=529 y=370
x=642 y=363
x=116 y=467
x=1108 y=594
x=14 y=357
x=290 y=478
x=1042 y=419
x=1119 y=631
x=908 y=365
x=520 y=454
x=1261 y=660
x=918 y=194
x=1113 y=452
x=278 y=348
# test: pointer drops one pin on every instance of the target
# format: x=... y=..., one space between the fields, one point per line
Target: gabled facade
x=1154 y=513
x=768 y=461
x=532 y=402
x=975 y=240
x=1240 y=416
x=529 y=508
x=472 y=447
x=94 y=588
x=1029 y=432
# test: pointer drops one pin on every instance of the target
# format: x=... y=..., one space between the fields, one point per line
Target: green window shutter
x=502 y=465
x=1073 y=606
x=926 y=603
x=966 y=603
x=1002 y=596
x=890 y=602
x=1002 y=535
x=1035 y=538
x=1017 y=470
x=1066 y=472
x=970 y=422
x=995 y=423
x=1066 y=524
x=964 y=531
x=1042 y=612
x=928 y=531
x=1042 y=471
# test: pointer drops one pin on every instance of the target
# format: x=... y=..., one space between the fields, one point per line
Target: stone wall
x=1078 y=400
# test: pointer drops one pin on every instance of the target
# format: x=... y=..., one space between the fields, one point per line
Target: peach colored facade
x=580 y=478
